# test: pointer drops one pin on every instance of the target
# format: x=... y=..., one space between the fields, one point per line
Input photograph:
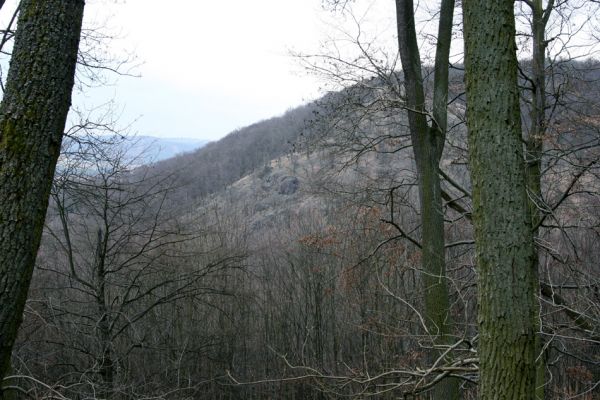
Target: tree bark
x=428 y=144
x=534 y=149
x=32 y=120
x=506 y=260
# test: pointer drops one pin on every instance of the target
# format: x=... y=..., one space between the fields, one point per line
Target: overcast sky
x=211 y=66
x=207 y=67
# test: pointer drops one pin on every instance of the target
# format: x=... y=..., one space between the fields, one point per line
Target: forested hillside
x=424 y=230
x=284 y=259
x=219 y=164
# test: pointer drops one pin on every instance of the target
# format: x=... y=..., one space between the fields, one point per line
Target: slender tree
x=506 y=259
x=428 y=144
x=32 y=120
x=534 y=143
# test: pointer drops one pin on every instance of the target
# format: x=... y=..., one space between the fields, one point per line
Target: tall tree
x=534 y=143
x=428 y=144
x=33 y=113
x=506 y=259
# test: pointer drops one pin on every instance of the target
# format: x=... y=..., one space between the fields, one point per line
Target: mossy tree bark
x=428 y=144
x=502 y=219
x=33 y=113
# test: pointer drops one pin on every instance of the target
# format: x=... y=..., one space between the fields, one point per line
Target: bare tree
x=428 y=144
x=114 y=259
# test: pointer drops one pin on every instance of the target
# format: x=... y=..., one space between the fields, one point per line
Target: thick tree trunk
x=503 y=230
x=428 y=144
x=32 y=120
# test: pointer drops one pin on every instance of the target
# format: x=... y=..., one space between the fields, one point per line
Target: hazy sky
x=207 y=67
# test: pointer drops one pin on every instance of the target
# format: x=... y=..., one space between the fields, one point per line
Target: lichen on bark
x=506 y=261
x=33 y=113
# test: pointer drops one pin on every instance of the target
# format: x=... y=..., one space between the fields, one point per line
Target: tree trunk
x=502 y=220
x=428 y=144
x=32 y=120
x=105 y=360
x=534 y=150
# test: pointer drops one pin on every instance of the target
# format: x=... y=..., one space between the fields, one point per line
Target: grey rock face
x=289 y=185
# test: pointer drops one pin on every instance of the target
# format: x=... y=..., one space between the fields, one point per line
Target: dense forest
x=427 y=229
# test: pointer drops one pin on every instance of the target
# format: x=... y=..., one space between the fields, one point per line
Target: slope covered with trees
x=380 y=242
x=301 y=279
x=219 y=164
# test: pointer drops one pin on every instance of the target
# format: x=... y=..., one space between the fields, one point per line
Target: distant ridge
x=158 y=149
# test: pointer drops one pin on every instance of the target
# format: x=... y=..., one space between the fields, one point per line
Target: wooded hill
x=283 y=261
